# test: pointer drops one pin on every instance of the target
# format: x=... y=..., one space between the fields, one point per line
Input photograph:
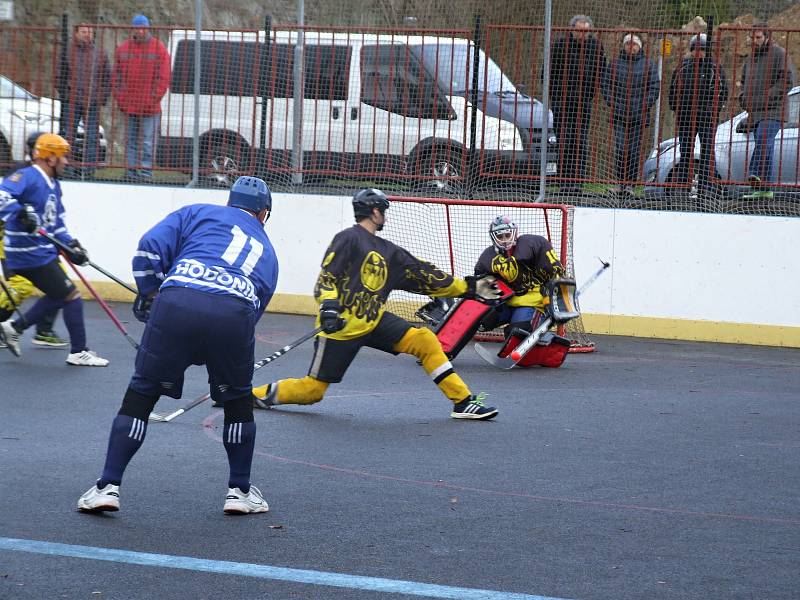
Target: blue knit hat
x=140 y=21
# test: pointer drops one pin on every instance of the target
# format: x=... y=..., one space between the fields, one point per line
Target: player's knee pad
x=136 y=405
x=420 y=342
x=238 y=410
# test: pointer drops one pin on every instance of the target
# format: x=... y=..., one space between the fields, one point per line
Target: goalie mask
x=504 y=235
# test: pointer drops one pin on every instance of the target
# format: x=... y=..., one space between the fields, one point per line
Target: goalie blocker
x=455 y=324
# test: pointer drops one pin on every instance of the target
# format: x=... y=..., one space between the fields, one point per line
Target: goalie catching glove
x=330 y=316
x=483 y=288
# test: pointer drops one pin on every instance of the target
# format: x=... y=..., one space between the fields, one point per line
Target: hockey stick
x=64 y=248
x=167 y=417
x=529 y=342
x=100 y=301
x=13 y=303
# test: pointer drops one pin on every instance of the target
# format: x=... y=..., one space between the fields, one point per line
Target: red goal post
x=452 y=233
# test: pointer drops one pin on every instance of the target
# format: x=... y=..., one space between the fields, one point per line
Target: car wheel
x=439 y=170
x=224 y=161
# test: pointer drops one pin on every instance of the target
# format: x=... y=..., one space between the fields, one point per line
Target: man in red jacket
x=140 y=79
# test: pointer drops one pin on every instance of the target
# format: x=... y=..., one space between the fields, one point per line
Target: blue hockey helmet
x=367 y=199
x=250 y=193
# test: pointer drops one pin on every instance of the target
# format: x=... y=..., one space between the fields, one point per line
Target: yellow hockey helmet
x=50 y=144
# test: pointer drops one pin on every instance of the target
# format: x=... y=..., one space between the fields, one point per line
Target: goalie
x=530 y=267
x=358 y=272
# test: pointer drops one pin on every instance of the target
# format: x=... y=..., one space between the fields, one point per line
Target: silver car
x=732 y=155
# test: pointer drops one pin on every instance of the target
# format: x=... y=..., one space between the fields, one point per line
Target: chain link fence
x=421 y=98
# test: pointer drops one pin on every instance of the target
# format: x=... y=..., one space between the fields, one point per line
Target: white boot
x=238 y=502
x=87 y=358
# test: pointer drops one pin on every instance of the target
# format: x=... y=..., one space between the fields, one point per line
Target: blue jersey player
x=30 y=199
x=204 y=274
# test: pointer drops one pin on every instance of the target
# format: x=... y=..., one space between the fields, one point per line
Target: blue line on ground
x=339 y=580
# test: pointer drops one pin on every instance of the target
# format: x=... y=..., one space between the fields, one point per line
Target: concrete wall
x=730 y=278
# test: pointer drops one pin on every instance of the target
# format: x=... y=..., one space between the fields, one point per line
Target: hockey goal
x=452 y=234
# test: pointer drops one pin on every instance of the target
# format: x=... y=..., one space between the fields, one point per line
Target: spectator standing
x=84 y=84
x=577 y=64
x=697 y=91
x=630 y=87
x=765 y=83
x=140 y=79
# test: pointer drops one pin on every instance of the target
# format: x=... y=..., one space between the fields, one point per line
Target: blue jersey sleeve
x=10 y=190
x=156 y=252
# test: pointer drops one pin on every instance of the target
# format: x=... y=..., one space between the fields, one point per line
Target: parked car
x=732 y=155
x=23 y=113
x=374 y=105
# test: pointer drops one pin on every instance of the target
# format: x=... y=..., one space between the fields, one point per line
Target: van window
x=452 y=66
x=235 y=68
x=392 y=79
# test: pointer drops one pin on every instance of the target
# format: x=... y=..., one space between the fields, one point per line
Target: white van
x=375 y=105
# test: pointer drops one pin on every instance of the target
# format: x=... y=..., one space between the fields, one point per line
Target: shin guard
x=423 y=344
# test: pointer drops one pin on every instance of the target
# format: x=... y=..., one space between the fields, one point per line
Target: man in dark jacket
x=630 y=87
x=140 y=79
x=84 y=84
x=766 y=79
x=577 y=63
x=697 y=91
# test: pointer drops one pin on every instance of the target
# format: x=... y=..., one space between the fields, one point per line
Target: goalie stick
x=167 y=417
x=509 y=362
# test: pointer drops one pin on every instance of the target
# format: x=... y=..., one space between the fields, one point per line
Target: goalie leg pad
x=423 y=344
x=550 y=351
x=460 y=325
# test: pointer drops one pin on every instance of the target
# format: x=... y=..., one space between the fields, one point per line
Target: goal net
x=452 y=234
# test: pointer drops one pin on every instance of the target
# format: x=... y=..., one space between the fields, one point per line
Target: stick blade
x=160 y=417
x=489 y=355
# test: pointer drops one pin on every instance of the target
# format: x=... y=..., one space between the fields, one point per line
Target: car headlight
x=30 y=117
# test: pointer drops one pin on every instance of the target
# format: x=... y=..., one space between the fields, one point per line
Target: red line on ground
x=208 y=425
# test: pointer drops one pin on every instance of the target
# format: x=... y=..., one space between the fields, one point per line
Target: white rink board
x=728 y=268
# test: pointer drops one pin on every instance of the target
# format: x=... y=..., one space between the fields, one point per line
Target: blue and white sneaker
x=97 y=500
x=238 y=502
x=474 y=408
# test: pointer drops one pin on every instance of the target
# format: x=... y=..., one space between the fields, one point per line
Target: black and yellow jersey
x=361 y=269
x=531 y=263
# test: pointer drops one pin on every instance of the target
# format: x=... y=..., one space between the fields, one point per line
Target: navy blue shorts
x=189 y=327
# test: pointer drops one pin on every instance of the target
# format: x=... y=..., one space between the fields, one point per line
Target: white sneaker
x=97 y=500
x=239 y=503
x=10 y=336
x=87 y=358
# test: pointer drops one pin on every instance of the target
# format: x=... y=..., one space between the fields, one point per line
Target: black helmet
x=30 y=142
x=367 y=199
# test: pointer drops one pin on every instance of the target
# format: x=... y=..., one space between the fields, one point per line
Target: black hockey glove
x=78 y=253
x=329 y=316
x=141 y=307
x=29 y=219
x=483 y=288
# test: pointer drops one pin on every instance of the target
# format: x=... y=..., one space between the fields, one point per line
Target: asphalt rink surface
x=648 y=469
